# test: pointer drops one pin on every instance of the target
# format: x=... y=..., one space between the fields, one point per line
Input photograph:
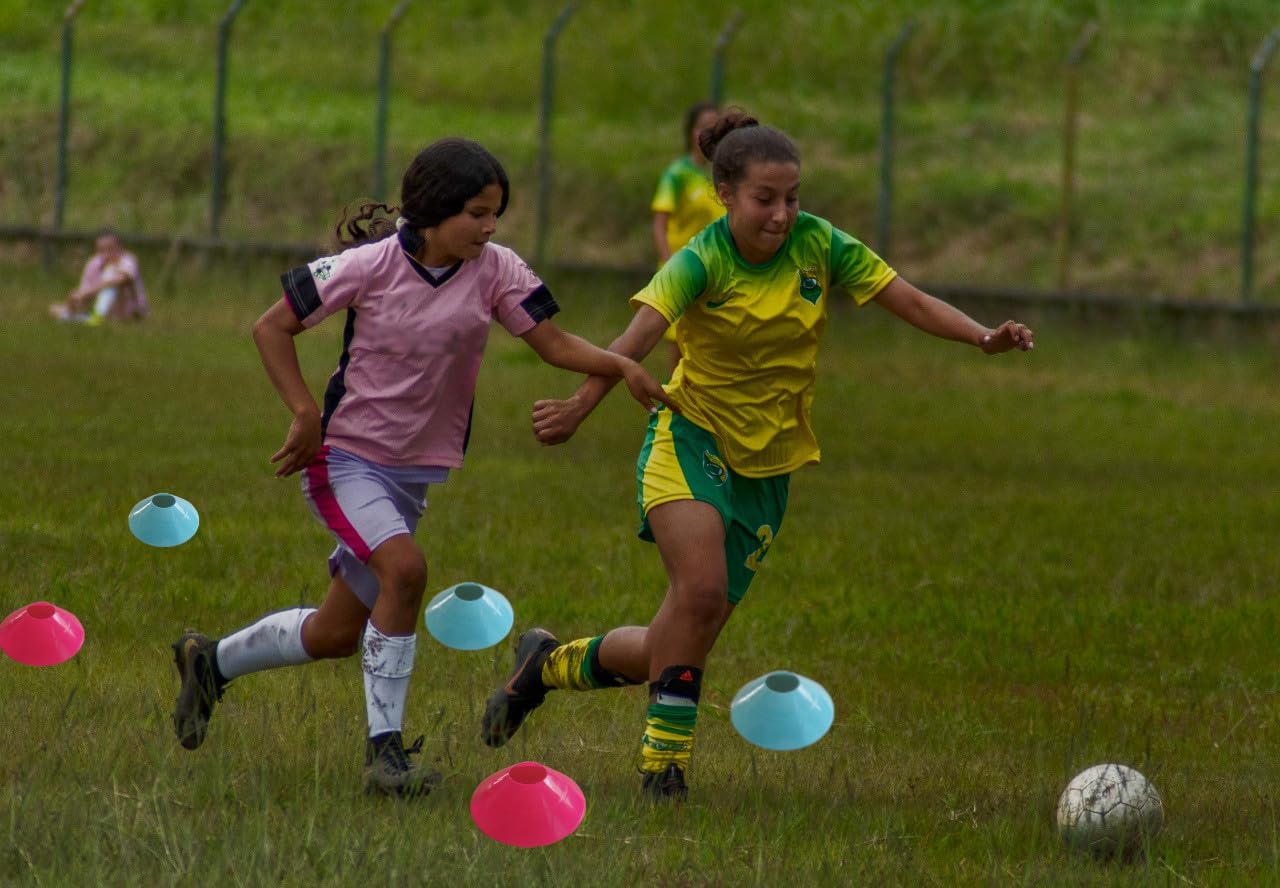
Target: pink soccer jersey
x=403 y=390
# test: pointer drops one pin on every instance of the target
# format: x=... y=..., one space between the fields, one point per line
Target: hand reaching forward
x=555 y=421
x=300 y=445
x=645 y=389
x=1007 y=336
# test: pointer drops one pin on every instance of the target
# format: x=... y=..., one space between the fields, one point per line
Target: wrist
x=581 y=403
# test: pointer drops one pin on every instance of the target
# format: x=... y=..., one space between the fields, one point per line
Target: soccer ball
x=1110 y=810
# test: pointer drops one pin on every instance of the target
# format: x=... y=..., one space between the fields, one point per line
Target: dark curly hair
x=442 y=178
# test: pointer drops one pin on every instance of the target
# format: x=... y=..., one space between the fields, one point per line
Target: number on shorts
x=765 y=535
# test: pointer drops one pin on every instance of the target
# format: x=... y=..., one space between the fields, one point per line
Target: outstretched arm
x=943 y=320
x=273 y=334
x=569 y=352
x=555 y=421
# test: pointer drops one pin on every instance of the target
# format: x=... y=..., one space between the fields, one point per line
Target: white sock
x=272 y=642
x=106 y=299
x=387 y=665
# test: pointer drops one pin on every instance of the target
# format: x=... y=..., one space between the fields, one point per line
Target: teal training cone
x=782 y=711
x=164 y=520
x=469 y=617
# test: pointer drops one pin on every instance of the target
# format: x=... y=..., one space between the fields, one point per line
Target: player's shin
x=575 y=666
x=272 y=642
x=672 y=717
x=387 y=664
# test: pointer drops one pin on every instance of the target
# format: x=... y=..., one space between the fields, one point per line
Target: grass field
x=1006 y=569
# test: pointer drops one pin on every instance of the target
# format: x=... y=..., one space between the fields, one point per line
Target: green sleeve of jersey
x=856 y=268
x=664 y=199
x=675 y=286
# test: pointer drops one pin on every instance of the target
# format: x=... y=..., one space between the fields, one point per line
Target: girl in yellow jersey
x=750 y=293
x=685 y=201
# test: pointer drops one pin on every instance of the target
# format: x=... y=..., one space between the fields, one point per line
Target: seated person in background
x=110 y=286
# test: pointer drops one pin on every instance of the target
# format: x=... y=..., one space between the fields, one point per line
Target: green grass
x=1161 y=144
x=1004 y=570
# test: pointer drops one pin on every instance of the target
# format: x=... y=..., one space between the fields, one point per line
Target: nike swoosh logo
x=509 y=687
x=714 y=303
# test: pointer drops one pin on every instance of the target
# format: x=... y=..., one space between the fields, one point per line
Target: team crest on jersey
x=810 y=289
x=714 y=467
x=323 y=269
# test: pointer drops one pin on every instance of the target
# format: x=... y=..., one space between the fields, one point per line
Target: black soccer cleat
x=200 y=689
x=665 y=786
x=508 y=706
x=387 y=768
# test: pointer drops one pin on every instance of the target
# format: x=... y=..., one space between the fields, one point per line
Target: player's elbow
x=264 y=330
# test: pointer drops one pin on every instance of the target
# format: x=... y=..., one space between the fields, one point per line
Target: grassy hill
x=1161 y=144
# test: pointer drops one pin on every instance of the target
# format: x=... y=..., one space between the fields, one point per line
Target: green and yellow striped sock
x=668 y=737
x=575 y=666
x=673 y=714
x=568 y=667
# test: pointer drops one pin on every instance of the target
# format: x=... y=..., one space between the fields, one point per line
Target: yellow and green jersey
x=685 y=193
x=749 y=336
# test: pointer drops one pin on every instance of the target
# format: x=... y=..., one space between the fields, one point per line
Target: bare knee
x=402 y=575
x=406 y=583
x=702 y=605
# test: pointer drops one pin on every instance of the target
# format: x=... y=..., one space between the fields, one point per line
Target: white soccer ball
x=1109 y=810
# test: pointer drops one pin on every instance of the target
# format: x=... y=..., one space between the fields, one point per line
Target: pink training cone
x=527 y=805
x=41 y=634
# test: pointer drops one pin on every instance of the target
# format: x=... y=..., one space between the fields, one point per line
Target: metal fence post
x=544 y=132
x=64 y=116
x=1251 y=162
x=219 y=117
x=384 y=89
x=727 y=34
x=884 y=208
x=1069 y=124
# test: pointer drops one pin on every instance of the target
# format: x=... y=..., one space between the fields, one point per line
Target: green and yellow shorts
x=681 y=461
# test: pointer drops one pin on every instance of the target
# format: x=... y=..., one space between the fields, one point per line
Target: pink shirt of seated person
x=104 y=268
x=110 y=286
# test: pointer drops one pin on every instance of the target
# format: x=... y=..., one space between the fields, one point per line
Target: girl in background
x=685 y=201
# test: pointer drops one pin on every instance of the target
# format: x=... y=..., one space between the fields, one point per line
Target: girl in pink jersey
x=419 y=298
